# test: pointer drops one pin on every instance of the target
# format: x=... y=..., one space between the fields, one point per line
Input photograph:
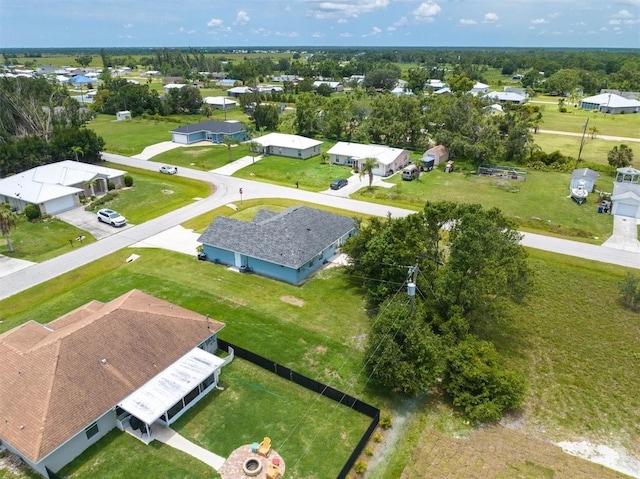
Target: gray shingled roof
x=212 y=126
x=290 y=238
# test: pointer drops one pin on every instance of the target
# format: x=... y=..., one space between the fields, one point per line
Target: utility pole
x=584 y=131
x=412 y=277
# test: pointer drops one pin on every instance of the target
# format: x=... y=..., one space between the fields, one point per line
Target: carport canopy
x=149 y=402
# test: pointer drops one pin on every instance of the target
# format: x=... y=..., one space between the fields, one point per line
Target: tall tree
x=229 y=142
x=7 y=222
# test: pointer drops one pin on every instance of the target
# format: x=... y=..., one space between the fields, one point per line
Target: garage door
x=59 y=205
x=626 y=209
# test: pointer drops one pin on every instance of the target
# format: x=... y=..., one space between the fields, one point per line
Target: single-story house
x=479 y=88
x=443 y=91
x=610 y=103
x=389 y=160
x=336 y=86
x=587 y=175
x=505 y=97
x=173 y=86
x=438 y=154
x=494 y=109
x=269 y=89
x=238 y=91
x=66 y=383
x=211 y=130
x=57 y=187
x=288 y=246
x=516 y=89
x=626 y=193
x=220 y=102
x=435 y=84
x=292 y=146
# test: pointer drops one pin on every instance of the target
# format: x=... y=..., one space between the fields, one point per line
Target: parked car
x=339 y=183
x=111 y=217
x=169 y=170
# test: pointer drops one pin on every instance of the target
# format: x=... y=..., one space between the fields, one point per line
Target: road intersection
x=228 y=191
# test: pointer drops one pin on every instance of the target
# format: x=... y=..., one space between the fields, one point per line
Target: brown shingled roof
x=53 y=383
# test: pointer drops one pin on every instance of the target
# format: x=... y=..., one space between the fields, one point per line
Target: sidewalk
x=11 y=265
x=231 y=168
x=171 y=438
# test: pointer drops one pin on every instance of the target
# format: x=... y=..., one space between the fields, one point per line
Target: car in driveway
x=339 y=183
x=113 y=218
x=168 y=170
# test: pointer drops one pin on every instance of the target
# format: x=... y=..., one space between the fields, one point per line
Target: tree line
x=40 y=123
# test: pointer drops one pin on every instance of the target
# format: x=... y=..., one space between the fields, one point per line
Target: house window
x=92 y=430
x=299 y=153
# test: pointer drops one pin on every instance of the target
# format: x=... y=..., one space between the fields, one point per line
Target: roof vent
x=103 y=361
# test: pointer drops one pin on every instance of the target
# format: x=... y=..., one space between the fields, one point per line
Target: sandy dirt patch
x=292 y=300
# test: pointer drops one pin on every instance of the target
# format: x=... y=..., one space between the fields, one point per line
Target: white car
x=111 y=217
x=169 y=170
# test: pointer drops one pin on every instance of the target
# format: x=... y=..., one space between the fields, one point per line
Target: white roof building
x=610 y=103
x=389 y=160
x=220 y=102
x=505 y=97
x=293 y=146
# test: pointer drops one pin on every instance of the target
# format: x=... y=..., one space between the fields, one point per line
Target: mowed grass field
x=573 y=340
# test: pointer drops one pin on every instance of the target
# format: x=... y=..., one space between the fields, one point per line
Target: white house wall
x=76 y=445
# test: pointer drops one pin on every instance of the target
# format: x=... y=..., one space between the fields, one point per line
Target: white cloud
x=427 y=11
x=346 y=35
x=467 y=21
x=342 y=21
x=539 y=21
x=402 y=22
x=242 y=18
x=215 y=23
x=490 y=17
x=287 y=8
x=286 y=34
x=317 y=35
x=623 y=14
x=127 y=25
x=554 y=15
x=615 y=21
x=373 y=33
x=323 y=9
x=260 y=31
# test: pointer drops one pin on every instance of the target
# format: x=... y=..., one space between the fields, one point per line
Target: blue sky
x=418 y=23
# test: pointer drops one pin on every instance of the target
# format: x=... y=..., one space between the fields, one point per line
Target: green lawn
x=540 y=203
x=594 y=150
x=575 y=118
x=154 y=194
x=43 y=240
x=120 y=455
x=573 y=340
x=203 y=157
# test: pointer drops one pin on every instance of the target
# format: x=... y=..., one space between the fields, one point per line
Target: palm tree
x=77 y=150
x=367 y=168
x=7 y=222
x=593 y=131
x=229 y=141
x=253 y=147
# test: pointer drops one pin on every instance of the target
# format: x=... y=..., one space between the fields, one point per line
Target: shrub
x=128 y=181
x=629 y=289
x=32 y=212
x=386 y=421
x=377 y=437
x=110 y=185
x=368 y=451
x=360 y=467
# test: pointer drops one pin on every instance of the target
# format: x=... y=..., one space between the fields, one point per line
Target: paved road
x=227 y=191
x=598 y=136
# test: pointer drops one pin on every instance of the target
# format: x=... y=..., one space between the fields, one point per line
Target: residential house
x=388 y=160
x=220 y=102
x=238 y=91
x=172 y=86
x=288 y=246
x=479 y=88
x=610 y=103
x=505 y=97
x=292 y=146
x=585 y=175
x=336 y=86
x=493 y=109
x=213 y=131
x=57 y=187
x=269 y=89
x=66 y=383
x=626 y=193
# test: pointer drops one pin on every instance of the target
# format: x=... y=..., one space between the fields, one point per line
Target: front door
x=237 y=260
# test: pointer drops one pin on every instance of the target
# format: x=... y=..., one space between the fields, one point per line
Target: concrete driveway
x=87 y=221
